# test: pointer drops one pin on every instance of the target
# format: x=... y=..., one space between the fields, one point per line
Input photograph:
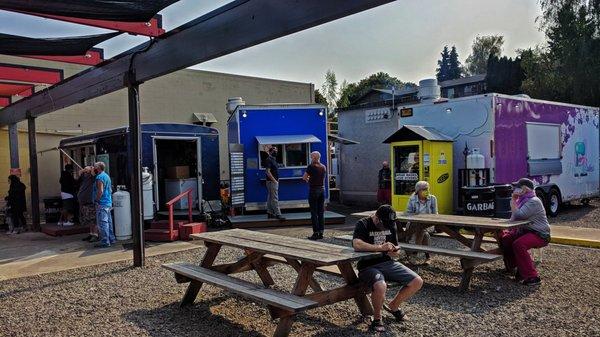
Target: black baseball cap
x=524 y=182
x=386 y=213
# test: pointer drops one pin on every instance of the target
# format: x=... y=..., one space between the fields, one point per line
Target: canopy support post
x=33 y=175
x=135 y=140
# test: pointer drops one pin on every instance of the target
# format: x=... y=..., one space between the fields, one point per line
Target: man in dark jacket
x=85 y=197
x=384 y=193
x=17 y=203
x=67 y=194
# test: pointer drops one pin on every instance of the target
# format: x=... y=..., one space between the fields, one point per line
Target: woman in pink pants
x=516 y=243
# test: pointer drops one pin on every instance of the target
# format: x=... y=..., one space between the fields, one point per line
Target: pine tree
x=443 y=66
x=454 y=67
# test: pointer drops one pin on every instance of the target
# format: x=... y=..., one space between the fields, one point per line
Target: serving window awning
x=287 y=139
x=338 y=139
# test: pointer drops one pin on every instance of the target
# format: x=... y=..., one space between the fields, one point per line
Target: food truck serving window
x=289 y=155
x=406 y=169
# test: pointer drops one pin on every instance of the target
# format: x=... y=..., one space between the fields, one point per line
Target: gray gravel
x=117 y=300
x=578 y=215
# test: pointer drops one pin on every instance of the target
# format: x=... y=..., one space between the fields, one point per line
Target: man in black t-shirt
x=377 y=233
x=272 y=182
x=315 y=177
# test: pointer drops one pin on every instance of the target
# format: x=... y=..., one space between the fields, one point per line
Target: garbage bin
x=503 y=194
x=478 y=200
x=52 y=208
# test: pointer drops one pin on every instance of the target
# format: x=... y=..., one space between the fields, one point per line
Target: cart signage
x=411 y=176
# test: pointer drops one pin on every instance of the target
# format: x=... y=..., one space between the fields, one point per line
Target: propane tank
x=475 y=161
x=147 y=194
x=122 y=209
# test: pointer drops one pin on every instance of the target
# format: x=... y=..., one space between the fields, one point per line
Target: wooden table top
x=316 y=252
x=460 y=221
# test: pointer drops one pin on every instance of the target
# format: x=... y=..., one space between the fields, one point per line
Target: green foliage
x=350 y=92
x=504 y=75
x=330 y=89
x=449 y=67
x=568 y=68
x=319 y=99
x=483 y=48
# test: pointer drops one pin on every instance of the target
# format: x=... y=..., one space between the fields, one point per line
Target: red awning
x=12 y=89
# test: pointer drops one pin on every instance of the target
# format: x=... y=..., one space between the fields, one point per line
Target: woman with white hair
x=421 y=202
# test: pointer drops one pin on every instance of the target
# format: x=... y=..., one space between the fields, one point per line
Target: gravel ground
x=117 y=300
x=578 y=215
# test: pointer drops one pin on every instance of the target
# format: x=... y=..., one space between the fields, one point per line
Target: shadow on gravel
x=172 y=320
x=4 y=294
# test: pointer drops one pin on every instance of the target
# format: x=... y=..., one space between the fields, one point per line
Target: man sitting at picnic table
x=516 y=242
x=377 y=233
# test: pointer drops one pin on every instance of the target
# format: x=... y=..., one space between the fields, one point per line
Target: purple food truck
x=555 y=144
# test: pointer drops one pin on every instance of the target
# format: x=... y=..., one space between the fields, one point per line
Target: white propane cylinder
x=475 y=160
x=147 y=194
x=122 y=209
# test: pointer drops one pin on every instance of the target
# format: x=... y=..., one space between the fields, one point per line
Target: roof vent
x=429 y=89
x=232 y=103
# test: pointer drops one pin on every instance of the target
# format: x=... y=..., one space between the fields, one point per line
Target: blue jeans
x=105 y=225
x=316 y=201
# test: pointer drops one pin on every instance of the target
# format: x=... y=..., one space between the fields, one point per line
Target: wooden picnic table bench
x=450 y=224
x=262 y=250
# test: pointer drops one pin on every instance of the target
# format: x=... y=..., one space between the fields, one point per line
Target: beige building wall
x=171 y=98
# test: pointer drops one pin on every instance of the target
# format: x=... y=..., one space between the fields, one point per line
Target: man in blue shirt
x=103 y=201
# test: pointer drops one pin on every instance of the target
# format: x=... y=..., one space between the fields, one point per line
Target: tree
x=482 y=49
x=568 y=67
x=319 y=99
x=455 y=69
x=330 y=90
x=504 y=75
x=353 y=91
x=442 y=71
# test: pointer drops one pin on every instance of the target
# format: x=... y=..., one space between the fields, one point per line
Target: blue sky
x=403 y=38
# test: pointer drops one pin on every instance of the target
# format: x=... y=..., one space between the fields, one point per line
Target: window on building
x=288 y=155
x=406 y=169
x=450 y=93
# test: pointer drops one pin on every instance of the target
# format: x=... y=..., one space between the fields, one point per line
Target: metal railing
x=171 y=202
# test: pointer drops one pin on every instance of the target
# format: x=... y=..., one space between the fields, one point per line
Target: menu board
x=236 y=174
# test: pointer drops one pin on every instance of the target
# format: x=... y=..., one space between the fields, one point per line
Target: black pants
x=18 y=219
x=316 y=200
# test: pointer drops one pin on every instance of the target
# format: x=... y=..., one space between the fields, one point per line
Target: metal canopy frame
x=233 y=27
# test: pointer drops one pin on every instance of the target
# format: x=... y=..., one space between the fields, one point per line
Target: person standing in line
x=85 y=197
x=384 y=193
x=102 y=192
x=67 y=194
x=315 y=177
x=272 y=182
x=17 y=204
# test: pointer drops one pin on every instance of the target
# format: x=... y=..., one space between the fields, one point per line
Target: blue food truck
x=296 y=130
x=179 y=156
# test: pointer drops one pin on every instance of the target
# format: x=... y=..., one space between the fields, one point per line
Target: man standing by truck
x=384 y=193
x=272 y=182
x=315 y=177
x=103 y=200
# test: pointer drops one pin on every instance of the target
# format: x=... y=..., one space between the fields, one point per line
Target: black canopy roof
x=113 y=10
x=65 y=46
x=417 y=132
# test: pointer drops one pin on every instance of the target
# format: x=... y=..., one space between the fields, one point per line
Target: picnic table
x=262 y=250
x=451 y=224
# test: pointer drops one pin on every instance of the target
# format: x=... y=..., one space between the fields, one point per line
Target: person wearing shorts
x=377 y=233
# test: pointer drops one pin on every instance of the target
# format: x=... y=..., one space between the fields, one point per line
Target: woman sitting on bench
x=421 y=202
x=516 y=243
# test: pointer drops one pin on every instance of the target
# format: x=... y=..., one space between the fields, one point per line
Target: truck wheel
x=553 y=203
x=542 y=196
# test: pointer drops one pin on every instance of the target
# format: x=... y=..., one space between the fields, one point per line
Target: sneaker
x=315 y=236
x=377 y=326
x=68 y=224
x=398 y=314
x=518 y=277
x=534 y=281
x=94 y=238
x=87 y=238
x=280 y=217
x=60 y=223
